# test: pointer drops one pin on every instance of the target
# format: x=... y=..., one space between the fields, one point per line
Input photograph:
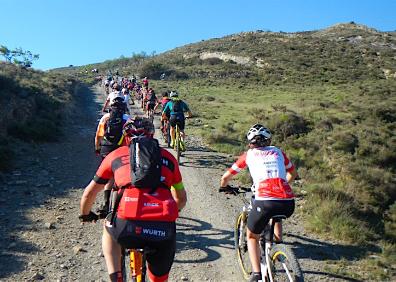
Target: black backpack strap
x=116 y=204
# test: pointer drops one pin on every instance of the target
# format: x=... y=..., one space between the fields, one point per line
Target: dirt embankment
x=43 y=240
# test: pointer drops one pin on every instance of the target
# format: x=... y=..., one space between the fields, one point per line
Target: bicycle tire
x=125 y=269
x=284 y=264
x=177 y=143
x=168 y=136
x=241 y=247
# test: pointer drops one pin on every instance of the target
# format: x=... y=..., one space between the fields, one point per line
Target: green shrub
x=334 y=212
x=390 y=223
x=37 y=129
x=153 y=69
x=345 y=141
x=287 y=124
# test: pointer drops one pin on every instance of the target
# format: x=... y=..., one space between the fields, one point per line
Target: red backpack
x=146 y=198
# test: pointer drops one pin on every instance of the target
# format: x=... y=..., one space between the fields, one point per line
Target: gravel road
x=42 y=238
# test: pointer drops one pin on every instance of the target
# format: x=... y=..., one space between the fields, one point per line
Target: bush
x=390 y=223
x=153 y=69
x=345 y=141
x=287 y=124
x=334 y=212
x=36 y=129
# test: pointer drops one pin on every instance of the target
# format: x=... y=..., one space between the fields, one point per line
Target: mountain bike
x=278 y=261
x=177 y=142
x=166 y=133
x=133 y=264
x=150 y=112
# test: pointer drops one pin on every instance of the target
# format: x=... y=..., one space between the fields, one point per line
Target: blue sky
x=80 y=32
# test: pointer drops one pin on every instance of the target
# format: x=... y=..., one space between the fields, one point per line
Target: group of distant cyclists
x=148 y=184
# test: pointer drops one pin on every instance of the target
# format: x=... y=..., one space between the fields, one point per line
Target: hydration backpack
x=145 y=161
x=114 y=125
x=133 y=202
x=177 y=106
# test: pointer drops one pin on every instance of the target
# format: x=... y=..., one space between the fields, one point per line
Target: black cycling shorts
x=150 y=106
x=157 y=235
x=106 y=149
x=178 y=119
x=263 y=210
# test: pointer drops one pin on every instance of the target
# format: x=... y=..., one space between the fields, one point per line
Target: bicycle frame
x=136 y=263
x=273 y=254
x=177 y=142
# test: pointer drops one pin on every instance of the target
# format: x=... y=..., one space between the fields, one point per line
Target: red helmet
x=138 y=126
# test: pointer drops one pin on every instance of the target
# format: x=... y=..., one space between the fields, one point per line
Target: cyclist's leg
x=258 y=218
x=160 y=262
x=254 y=249
x=112 y=252
x=172 y=122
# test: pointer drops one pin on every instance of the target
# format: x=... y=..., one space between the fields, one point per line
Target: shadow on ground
x=198 y=238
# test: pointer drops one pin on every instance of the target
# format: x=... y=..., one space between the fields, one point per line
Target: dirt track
x=43 y=240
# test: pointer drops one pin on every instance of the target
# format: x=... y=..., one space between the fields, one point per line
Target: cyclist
x=151 y=101
x=113 y=97
x=145 y=82
x=127 y=95
x=132 y=219
x=175 y=109
x=271 y=172
x=165 y=99
x=109 y=137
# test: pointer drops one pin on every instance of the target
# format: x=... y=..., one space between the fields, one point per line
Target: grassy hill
x=32 y=106
x=329 y=97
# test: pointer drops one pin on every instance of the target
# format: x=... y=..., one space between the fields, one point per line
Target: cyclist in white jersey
x=271 y=172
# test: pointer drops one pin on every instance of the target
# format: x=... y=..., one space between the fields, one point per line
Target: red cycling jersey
x=164 y=101
x=140 y=204
x=268 y=167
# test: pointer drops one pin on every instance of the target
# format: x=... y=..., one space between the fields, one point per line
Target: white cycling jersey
x=268 y=167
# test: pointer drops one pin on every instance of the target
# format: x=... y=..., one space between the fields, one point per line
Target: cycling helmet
x=116 y=87
x=138 y=126
x=258 y=133
x=173 y=94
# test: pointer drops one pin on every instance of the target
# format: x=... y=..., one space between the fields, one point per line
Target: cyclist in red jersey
x=133 y=218
x=271 y=172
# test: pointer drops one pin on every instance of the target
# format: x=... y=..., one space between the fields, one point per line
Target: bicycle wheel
x=284 y=264
x=177 y=143
x=168 y=137
x=241 y=247
x=125 y=266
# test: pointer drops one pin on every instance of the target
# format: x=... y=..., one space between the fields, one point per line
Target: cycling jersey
x=169 y=107
x=117 y=164
x=268 y=167
x=165 y=101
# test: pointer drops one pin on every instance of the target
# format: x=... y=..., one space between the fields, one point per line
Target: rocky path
x=41 y=238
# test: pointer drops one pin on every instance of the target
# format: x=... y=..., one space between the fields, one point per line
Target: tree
x=18 y=56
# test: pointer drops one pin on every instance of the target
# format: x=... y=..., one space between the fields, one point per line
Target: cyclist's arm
x=102 y=176
x=105 y=105
x=291 y=175
x=225 y=179
x=187 y=110
x=235 y=169
x=89 y=196
x=179 y=195
x=291 y=172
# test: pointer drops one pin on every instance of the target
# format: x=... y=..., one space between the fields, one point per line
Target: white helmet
x=258 y=130
x=173 y=94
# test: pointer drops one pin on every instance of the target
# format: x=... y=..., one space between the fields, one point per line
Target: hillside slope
x=329 y=96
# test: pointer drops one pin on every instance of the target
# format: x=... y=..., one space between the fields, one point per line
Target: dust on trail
x=42 y=238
